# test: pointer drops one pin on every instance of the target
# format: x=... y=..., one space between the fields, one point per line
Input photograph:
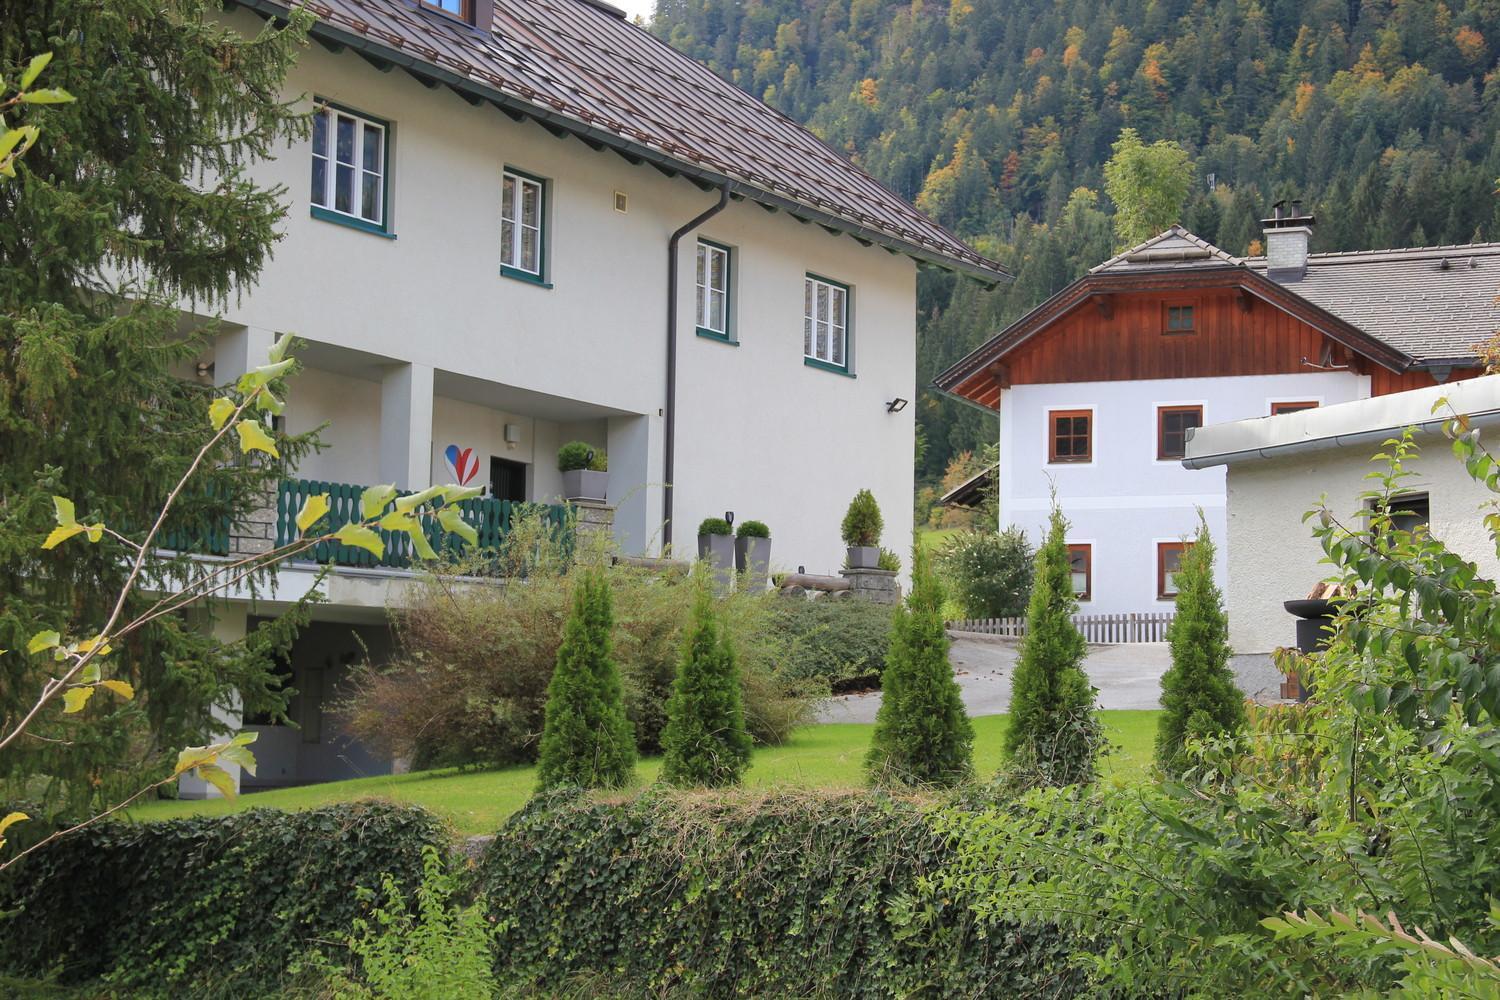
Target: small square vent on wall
x=622 y=202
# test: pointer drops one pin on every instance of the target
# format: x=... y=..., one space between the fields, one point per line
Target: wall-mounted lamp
x=729 y=516
x=205 y=369
x=512 y=435
x=896 y=405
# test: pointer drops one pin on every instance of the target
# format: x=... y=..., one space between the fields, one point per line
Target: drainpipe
x=670 y=449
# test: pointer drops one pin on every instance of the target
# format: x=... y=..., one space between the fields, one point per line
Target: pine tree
x=586 y=739
x=1054 y=735
x=705 y=740
x=922 y=734
x=109 y=225
x=1198 y=694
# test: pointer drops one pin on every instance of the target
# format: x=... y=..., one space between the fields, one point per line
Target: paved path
x=1127 y=676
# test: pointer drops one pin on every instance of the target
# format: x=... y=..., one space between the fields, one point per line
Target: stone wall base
x=878 y=586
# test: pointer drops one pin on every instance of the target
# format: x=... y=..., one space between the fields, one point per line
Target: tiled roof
x=1432 y=304
x=581 y=67
x=1175 y=248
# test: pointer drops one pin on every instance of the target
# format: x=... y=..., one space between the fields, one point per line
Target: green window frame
x=713 y=303
x=350 y=181
x=825 y=324
x=523 y=226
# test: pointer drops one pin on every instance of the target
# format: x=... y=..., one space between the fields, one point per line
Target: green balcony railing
x=491 y=518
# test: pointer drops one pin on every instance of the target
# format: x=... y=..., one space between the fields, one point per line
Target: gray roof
x=1432 y=304
x=580 y=68
x=1175 y=248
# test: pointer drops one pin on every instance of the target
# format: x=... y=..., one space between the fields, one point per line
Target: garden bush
x=204 y=907
x=988 y=572
x=801 y=894
x=705 y=741
x=576 y=455
x=841 y=642
x=862 y=522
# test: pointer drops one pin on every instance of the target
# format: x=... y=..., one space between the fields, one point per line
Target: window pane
x=343 y=194
x=716 y=311
x=508 y=243
x=838 y=345
x=508 y=200
x=702 y=263
x=320 y=134
x=716 y=273
x=1080 y=583
x=529 y=249
x=822 y=345
x=373 y=138
x=836 y=302
x=369 y=205
x=807 y=337
x=345 y=139
x=807 y=301
x=320 y=181
x=531 y=197
x=822 y=313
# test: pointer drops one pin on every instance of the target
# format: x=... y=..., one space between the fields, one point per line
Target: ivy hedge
x=800 y=894
x=208 y=906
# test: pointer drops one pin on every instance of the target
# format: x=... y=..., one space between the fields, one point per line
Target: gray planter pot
x=864 y=557
x=719 y=551
x=752 y=556
x=586 y=484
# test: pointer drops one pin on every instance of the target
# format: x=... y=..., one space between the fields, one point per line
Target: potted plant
x=716 y=544
x=584 y=471
x=752 y=550
x=861 y=530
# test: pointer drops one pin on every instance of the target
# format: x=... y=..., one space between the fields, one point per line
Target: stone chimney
x=1287 y=232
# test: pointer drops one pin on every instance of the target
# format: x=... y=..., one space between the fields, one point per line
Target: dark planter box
x=586 y=484
x=752 y=556
x=864 y=557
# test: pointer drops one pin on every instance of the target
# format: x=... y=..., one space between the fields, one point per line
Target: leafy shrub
x=729 y=894
x=988 y=572
x=586 y=739
x=705 y=741
x=714 y=526
x=580 y=455
x=842 y=642
x=888 y=561
x=922 y=734
x=206 y=906
x=862 y=521
x=753 y=529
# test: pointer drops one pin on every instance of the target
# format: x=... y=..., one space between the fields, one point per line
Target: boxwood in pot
x=861 y=530
x=716 y=544
x=584 y=471
x=752 y=551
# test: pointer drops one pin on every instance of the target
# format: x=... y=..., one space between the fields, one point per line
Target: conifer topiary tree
x=1054 y=735
x=586 y=739
x=922 y=734
x=705 y=740
x=1198 y=694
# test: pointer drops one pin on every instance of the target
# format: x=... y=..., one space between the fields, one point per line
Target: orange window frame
x=1162 y=454
x=1052 y=437
x=1086 y=551
x=1164 y=590
x=1292 y=406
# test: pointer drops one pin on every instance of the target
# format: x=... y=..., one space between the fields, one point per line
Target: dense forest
x=996 y=118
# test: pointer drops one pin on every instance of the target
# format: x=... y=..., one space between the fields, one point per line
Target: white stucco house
x=1278 y=468
x=1099 y=389
x=523 y=222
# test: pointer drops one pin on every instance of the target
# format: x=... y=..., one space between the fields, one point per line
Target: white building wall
x=1126 y=501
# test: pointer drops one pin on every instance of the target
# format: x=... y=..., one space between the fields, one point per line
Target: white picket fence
x=1147 y=626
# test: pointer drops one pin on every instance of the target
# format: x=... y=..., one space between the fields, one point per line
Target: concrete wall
x=759 y=432
x=1126 y=501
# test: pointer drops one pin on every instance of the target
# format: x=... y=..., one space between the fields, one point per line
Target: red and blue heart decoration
x=462 y=464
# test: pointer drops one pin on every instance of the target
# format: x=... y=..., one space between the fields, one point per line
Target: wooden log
x=808 y=581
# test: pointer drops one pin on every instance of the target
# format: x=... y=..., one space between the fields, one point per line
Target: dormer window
x=475 y=13
x=458 y=8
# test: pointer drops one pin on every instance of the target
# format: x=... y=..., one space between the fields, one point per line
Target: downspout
x=670 y=449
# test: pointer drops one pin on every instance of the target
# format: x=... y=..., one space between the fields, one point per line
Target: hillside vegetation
x=996 y=118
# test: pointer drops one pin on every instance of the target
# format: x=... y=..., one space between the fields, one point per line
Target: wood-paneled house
x=1099 y=388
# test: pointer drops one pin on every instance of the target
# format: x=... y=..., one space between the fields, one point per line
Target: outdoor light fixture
x=896 y=405
x=729 y=516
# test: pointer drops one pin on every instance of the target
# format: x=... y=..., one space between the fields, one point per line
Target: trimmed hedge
x=801 y=894
x=204 y=907
x=841 y=641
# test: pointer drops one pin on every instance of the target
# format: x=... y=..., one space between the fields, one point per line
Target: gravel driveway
x=1127 y=676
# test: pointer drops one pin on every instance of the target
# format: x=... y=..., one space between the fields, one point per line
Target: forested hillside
x=997 y=118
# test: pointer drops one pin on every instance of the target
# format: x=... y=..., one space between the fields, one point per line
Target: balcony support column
x=240 y=349
x=406 y=426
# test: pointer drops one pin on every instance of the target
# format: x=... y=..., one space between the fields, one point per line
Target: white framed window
x=825 y=323
x=350 y=156
x=523 y=215
x=713 y=290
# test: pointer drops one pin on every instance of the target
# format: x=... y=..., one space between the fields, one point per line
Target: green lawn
x=824 y=756
x=932 y=539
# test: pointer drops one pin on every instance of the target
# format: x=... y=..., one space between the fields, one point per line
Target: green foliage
x=204 y=907
x=752 y=529
x=989 y=572
x=577 y=455
x=16 y=140
x=737 y=895
x=705 y=742
x=922 y=734
x=714 y=526
x=862 y=523
x=1198 y=693
x=888 y=561
x=1054 y=736
x=843 y=642
x=428 y=948
x=1148 y=184
x=586 y=738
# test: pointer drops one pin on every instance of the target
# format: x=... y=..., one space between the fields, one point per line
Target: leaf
x=375 y=498
x=266 y=402
x=313 y=509
x=47 y=95
x=193 y=757
x=255 y=378
x=10 y=820
x=240 y=755
x=28 y=77
x=219 y=778
x=219 y=411
x=361 y=537
x=95 y=532
x=453 y=494
x=420 y=543
x=66 y=513
x=253 y=437
x=414 y=500
x=452 y=520
x=43 y=640
x=278 y=349
x=122 y=688
x=61 y=534
x=98 y=645
x=75 y=698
